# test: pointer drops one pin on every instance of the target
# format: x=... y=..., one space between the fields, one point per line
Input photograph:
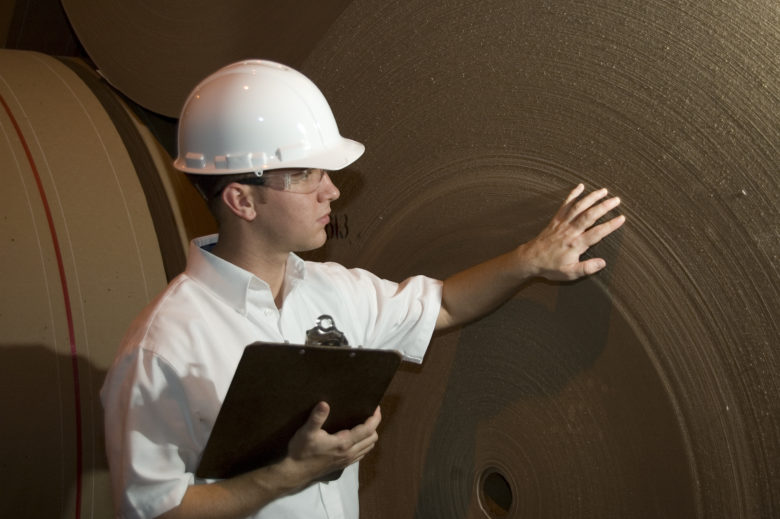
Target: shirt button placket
x=262 y=312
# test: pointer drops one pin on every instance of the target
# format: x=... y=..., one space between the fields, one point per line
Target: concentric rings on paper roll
x=649 y=390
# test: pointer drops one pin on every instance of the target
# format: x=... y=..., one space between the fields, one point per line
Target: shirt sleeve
x=400 y=316
x=149 y=435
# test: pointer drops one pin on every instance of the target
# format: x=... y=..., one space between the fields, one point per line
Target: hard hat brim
x=336 y=157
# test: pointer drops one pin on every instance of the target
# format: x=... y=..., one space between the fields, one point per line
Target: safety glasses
x=302 y=181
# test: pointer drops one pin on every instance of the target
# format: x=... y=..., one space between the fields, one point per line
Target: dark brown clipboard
x=274 y=390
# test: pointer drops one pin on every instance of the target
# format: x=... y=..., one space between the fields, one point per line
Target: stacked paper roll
x=92 y=229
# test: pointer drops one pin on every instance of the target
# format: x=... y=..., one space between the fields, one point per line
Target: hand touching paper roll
x=553 y=254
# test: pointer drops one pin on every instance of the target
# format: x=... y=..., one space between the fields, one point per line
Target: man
x=258 y=140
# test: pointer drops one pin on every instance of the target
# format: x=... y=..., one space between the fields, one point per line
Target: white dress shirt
x=163 y=393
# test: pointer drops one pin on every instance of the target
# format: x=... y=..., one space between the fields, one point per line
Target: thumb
x=592 y=266
x=318 y=416
x=580 y=269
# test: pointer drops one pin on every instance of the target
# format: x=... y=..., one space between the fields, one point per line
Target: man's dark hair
x=211 y=186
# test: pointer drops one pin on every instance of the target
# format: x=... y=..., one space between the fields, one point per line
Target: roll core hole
x=495 y=494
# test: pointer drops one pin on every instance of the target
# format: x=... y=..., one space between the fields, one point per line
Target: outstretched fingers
x=577 y=191
x=579 y=207
x=595 y=234
x=574 y=207
x=565 y=207
x=556 y=251
x=592 y=213
x=583 y=212
x=589 y=238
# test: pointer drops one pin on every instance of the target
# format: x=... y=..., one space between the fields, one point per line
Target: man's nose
x=328 y=189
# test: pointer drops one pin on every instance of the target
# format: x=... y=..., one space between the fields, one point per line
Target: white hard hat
x=259 y=115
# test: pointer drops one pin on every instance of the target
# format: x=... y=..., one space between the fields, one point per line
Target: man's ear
x=240 y=200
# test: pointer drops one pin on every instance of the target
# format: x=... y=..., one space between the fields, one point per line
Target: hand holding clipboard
x=273 y=392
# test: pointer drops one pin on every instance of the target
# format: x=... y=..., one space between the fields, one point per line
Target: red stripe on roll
x=66 y=300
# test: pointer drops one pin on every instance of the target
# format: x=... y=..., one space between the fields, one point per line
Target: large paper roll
x=155 y=53
x=649 y=390
x=91 y=230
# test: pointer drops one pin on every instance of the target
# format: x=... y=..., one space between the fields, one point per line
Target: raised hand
x=555 y=253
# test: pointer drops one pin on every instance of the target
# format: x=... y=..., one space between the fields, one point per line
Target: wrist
x=280 y=478
x=525 y=261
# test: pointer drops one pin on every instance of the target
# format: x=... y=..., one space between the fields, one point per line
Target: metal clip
x=325 y=333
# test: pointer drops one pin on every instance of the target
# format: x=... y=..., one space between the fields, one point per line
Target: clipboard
x=274 y=390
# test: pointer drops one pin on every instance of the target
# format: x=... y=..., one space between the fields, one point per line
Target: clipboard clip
x=325 y=333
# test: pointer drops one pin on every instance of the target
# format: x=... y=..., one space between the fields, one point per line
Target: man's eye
x=300 y=176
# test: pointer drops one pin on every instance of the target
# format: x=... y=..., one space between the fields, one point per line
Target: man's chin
x=314 y=245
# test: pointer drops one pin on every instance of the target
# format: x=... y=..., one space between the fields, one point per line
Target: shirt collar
x=230 y=282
